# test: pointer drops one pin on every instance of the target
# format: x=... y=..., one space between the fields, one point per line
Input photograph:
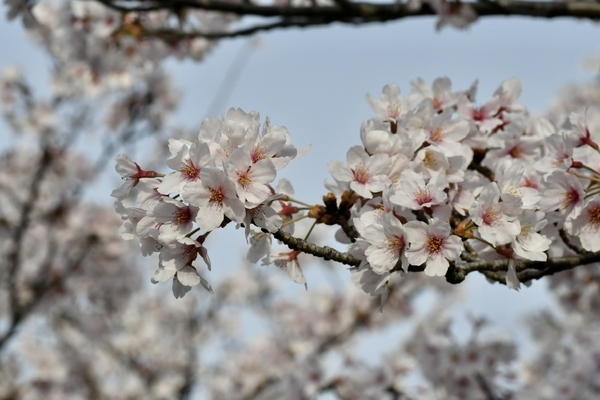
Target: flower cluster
x=438 y=181
x=439 y=177
x=224 y=176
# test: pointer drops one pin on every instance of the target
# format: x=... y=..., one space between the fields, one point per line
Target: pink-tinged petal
x=381 y=260
x=209 y=217
x=162 y=274
x=195 y=194
x=256 y=194
x=125 y=166
x=204 y=254
x=145 y=226
x=263 y=171
x=206 y=285
x=171 y=183
x=361 y=190
x=378 y=183
x=437 y=265
x=373 y=234
x=213 y=177
x=416 y=231
x=188 y=276
x=295 y=272
x=123 y=191
x=340 y=171
x=453 y=246
x=179 y=290
x=234 y=209
x=355 y=156
x=511 y=276
x=416 y=256
x=379 y=164
x=268 y=219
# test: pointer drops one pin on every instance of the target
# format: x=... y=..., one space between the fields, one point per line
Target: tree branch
x=528 y=269
x=345 y=12
x=456 y=273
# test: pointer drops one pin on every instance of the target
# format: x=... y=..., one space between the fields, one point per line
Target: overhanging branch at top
x=348 y=12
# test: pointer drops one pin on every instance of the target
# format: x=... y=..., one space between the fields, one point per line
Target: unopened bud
x=317 y=212
x=505 y=251
x=330 y=202
x=465 y=230
x=577 y=164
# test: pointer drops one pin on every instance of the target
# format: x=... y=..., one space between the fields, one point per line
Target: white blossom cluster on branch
x=439 y=182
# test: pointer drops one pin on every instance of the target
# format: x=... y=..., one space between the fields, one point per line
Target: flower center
x=434 y=244
x=243 y=178
x=490 y=216
x=430 y=161
x=216 y=196
x=259 y=153
x=361 y=175
x=182 y=216
x=189 y=170
x=393 y=110
x=436 y=135
x=594 y=216
x=396 y=244
x=423 y=196
x=515 y=151
x=559 y=159
x=571 y=197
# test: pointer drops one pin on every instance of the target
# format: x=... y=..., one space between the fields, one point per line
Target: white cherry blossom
x=216 y=198
x=250 y=177
x=365 y=174
x=488 y=213
x=413 y=193
x=388 y=242
x=188 y=163
x=392 y=106
x=562 y=192
x=433 y=245
x=587 y=225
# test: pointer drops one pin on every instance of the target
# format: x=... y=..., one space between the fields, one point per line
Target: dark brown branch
x=569 y=243
x=528 y=269
x=367 y=12
x=356 y=13
x=325 y=252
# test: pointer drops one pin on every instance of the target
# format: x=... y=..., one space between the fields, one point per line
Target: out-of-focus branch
x=343 y=11
x=44 y=286
x=13 y=259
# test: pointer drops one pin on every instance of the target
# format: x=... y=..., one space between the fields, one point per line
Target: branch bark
x=343 y=11
x=528 y=270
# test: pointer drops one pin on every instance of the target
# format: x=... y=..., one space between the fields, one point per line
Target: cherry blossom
x=587 y=225
x=413 y=193
x=365 y=174
x=493 y=223
x=216 y=197
x=387 y=241
x=433 y=245
x=392 y=105
x=563 y=192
